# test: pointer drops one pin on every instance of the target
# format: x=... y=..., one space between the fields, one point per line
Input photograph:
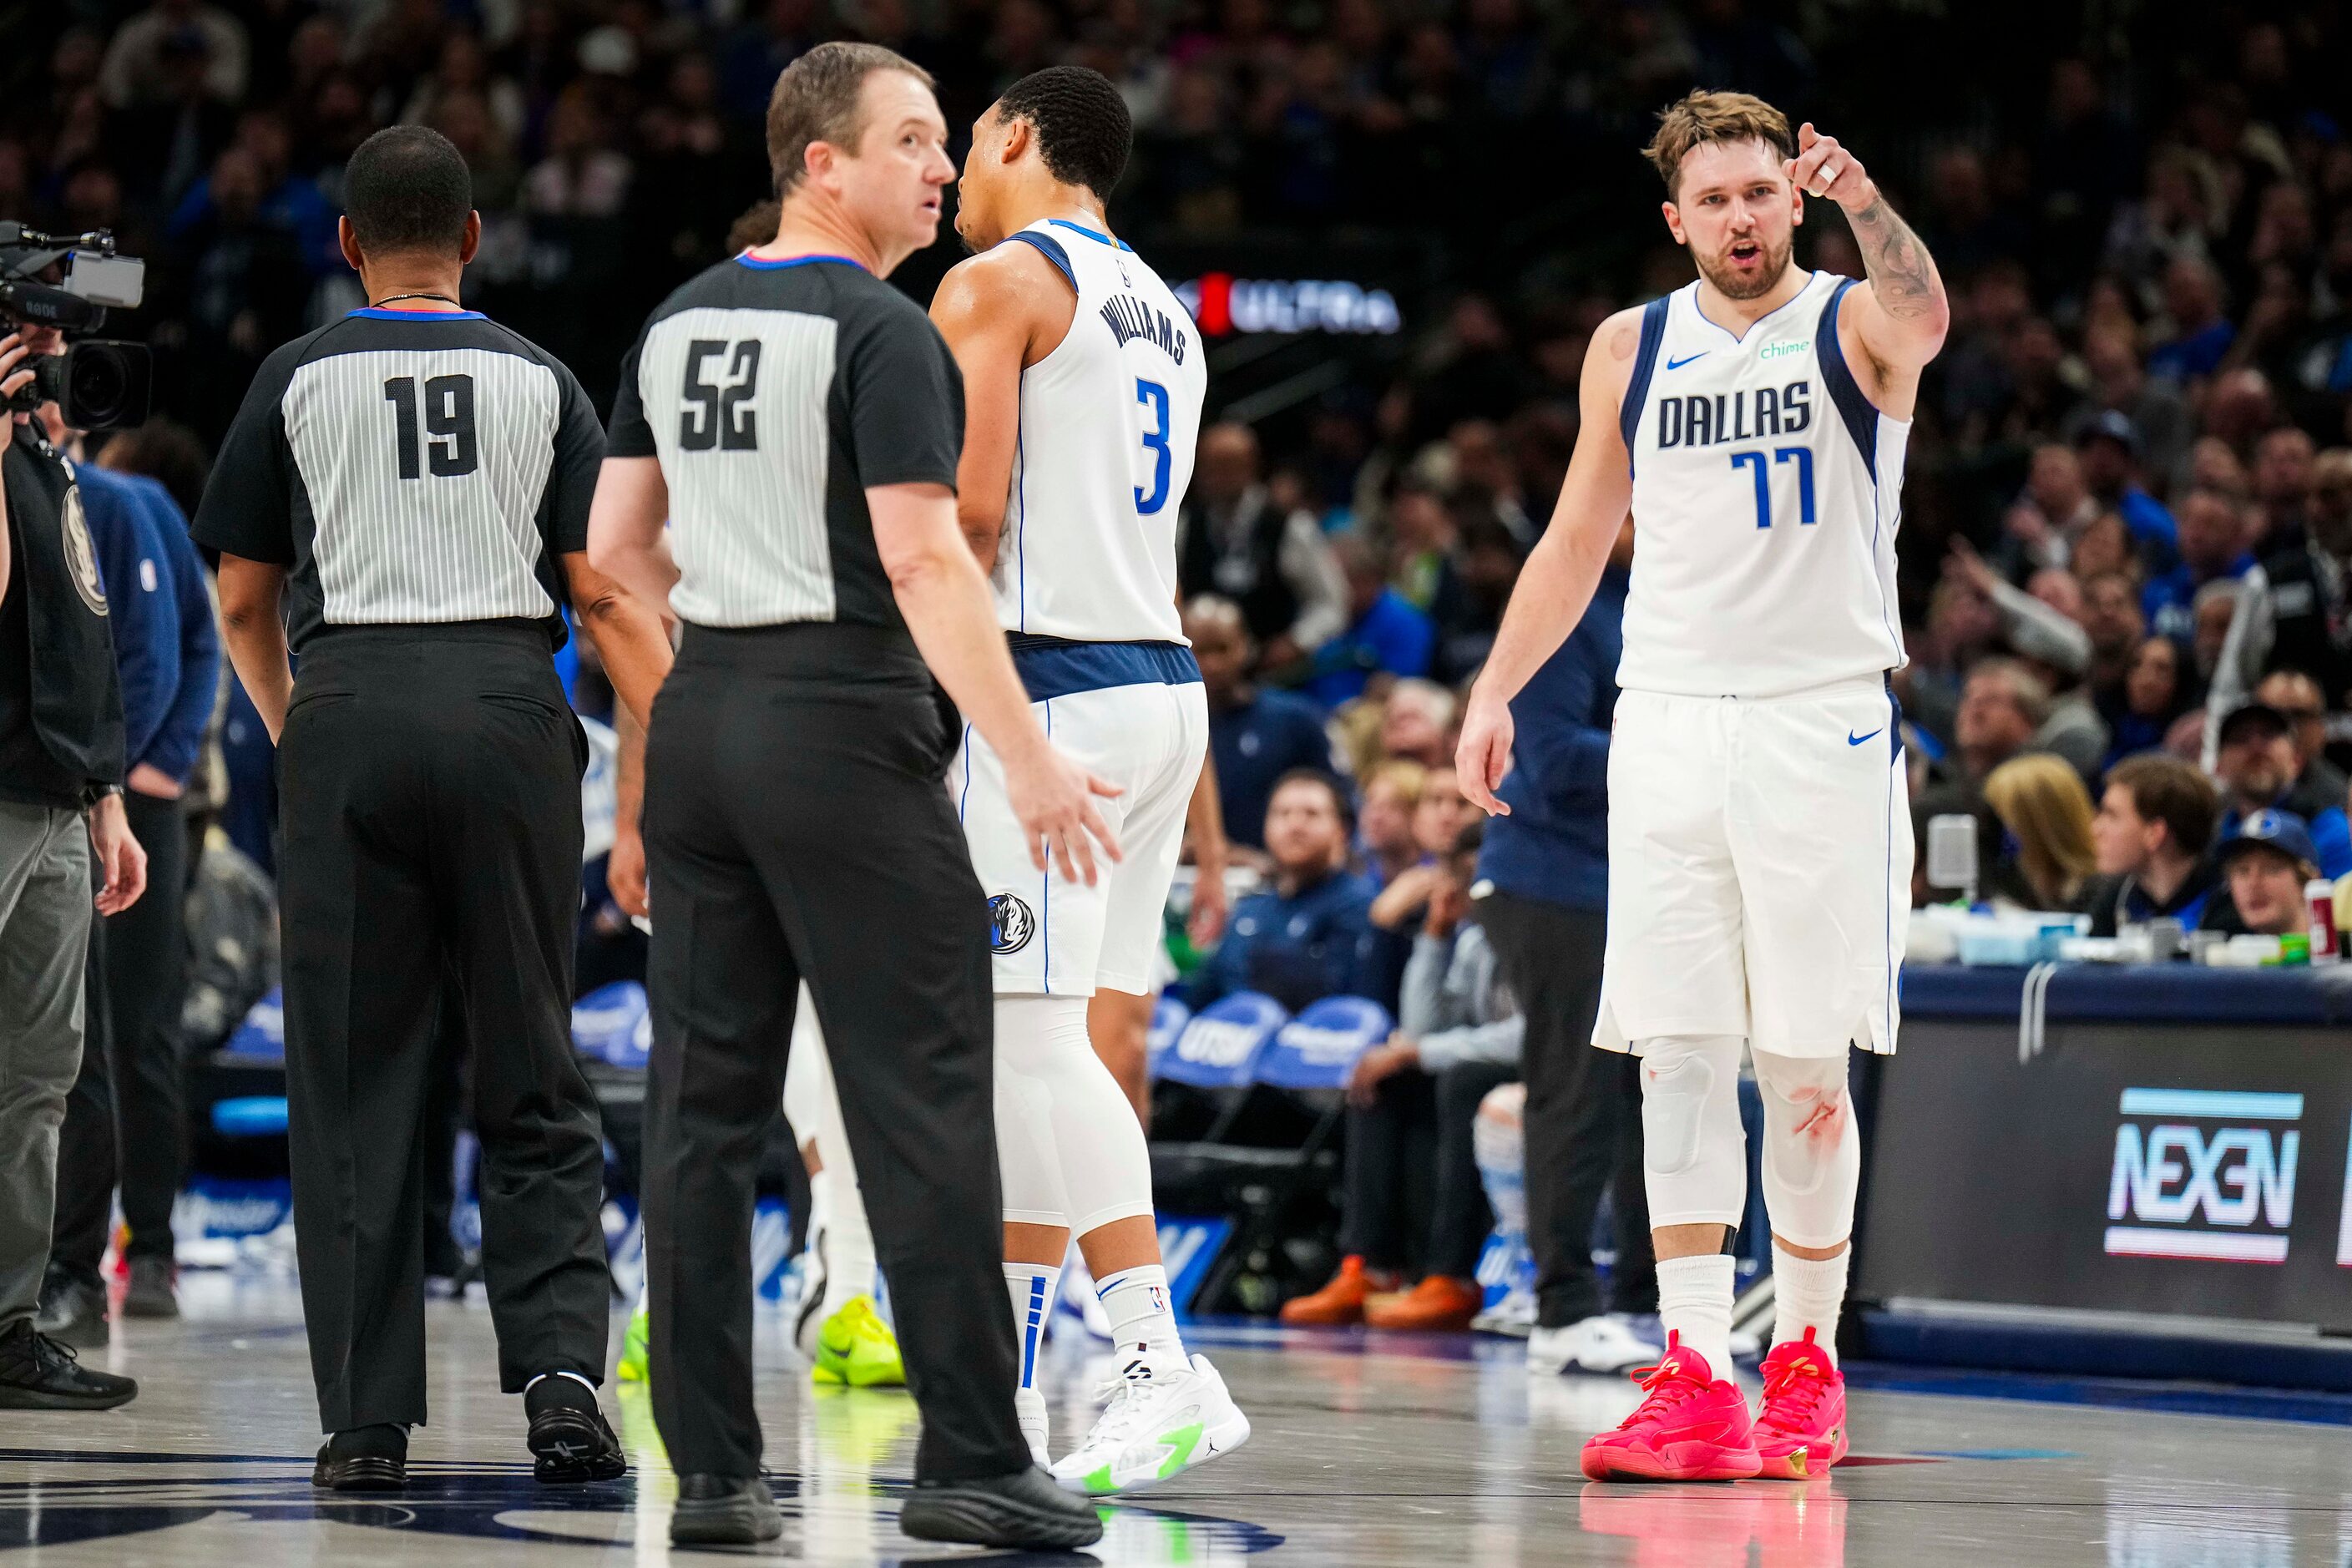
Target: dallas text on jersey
x=1706 y=421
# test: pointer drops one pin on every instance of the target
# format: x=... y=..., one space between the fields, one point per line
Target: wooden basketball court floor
x=1368 y=1449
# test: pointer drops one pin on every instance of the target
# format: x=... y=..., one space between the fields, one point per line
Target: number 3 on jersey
x=1155 y=441
x=1754 y=463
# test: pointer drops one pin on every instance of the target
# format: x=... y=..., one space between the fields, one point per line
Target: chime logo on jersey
x=1011 y=923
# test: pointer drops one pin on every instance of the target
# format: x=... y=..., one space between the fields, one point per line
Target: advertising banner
x=2197 y=1169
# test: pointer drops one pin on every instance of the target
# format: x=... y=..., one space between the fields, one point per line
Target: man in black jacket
x=60 y=782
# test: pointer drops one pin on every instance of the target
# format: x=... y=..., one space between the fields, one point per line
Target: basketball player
x=1084 y=381
x=1759 y=839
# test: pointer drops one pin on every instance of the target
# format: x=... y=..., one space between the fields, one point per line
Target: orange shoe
x=1440 y=1303
x=1337 y=1304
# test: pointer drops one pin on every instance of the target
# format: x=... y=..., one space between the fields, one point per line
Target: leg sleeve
x=1694 y=1152
x=1812 y=1150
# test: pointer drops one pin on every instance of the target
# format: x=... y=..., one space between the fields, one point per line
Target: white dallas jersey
x=1767 y=491
x=1109 y=421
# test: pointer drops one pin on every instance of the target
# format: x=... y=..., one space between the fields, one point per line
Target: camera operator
x=61 y=772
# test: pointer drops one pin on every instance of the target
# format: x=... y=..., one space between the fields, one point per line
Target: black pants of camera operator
x=797 y=824
x=125 y=1118
x=429 y=791
x=1584 y=1116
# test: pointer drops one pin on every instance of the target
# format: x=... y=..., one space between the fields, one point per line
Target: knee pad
x=1693 y=1148
x=1812 y=1150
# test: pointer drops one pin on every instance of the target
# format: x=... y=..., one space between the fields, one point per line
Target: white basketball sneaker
x=1604 y=1343
x=1036 y=1423
x=1159 y=1423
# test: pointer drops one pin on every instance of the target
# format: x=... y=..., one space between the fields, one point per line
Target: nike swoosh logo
x=1678 y=364
x=1853 y=740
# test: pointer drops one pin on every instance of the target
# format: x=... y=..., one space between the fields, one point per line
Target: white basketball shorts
x=1759 y=870
x=1058 y=938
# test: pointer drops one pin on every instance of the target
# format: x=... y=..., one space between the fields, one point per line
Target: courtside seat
x=251 y=1116
x=1219 y=1048
x=1169 y=1017
x=1318 y=1048
x=260 y=1039
x=606 y=1024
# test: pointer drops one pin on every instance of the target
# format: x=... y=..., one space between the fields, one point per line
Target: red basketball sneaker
x=1694 y=1426
x=1800 y=1431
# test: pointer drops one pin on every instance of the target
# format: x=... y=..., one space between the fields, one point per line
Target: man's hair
x=1083 y=129
x=757 y=226
x=407 y=188
x=1435 y=699
x=1401 y=772
x=1324 y=780
x=816 y=101
x=1704 y=116
x=2168 y=790
x=2027 y=689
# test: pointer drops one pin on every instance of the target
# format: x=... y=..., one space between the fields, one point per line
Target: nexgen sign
x=2204 y=1174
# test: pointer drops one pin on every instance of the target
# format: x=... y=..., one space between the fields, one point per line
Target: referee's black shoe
x=724 y=1511
x=363 y=1459
x=1024 y=1510
x=570 y=1439
x=39 y=1374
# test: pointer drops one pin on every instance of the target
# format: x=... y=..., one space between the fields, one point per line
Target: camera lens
x=98 y=383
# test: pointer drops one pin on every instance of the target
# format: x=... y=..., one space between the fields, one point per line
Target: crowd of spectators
x=2128 y=506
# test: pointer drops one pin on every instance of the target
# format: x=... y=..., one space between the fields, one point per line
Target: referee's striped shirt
x=408 y=467
x=774 y=394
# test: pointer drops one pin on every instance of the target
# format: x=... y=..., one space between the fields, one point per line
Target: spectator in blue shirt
x=1543 y=892
x=169 y=664
x=1311 y=936
x=2213 y=548
x=1255 y=735
x=2259 y=770
x=2201 y=333
x=2108 y=450
x=171 y=755
x=1387 y=634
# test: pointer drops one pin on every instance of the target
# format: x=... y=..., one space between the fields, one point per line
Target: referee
x=798 y=421
x=410 y=487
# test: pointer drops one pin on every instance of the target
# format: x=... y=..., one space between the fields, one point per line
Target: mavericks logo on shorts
x=1011 y=924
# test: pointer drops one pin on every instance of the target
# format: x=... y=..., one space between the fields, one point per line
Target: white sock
x=1031 y=1288
x=838 y=1213
x=1806 y=1294
x=1695 y=1302
x=1141 y=1316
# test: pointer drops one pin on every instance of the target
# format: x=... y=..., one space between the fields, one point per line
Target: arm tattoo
x=1901 y=272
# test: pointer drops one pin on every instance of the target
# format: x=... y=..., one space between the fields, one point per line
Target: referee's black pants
x=1583 y=1115
x=797 y=824
x=430 y=799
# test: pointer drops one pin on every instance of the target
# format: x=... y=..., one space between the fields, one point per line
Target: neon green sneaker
x=633 y=1349
x=855 y=1347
